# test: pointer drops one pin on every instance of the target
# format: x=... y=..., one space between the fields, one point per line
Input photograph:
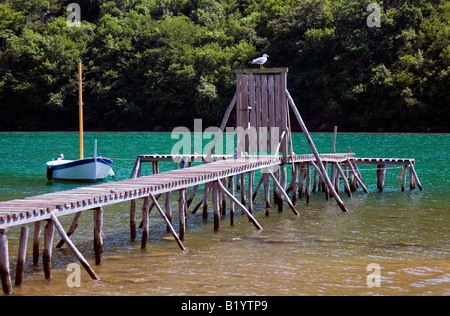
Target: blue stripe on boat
x=105 y=161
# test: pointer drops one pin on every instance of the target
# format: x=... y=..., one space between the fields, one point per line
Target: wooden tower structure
x=263 y=126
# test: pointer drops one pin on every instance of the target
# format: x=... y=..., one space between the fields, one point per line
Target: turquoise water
x=320 y=252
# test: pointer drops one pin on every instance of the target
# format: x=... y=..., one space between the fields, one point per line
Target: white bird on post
x=260 y=61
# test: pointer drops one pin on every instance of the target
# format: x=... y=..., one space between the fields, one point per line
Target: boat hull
x=82 y=170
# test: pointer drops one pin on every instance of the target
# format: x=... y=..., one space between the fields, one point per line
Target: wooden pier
x=262 y=102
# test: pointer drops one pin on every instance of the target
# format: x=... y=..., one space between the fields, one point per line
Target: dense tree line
x=151 y=63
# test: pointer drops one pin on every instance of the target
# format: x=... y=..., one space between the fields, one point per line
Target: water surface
x=320 y=252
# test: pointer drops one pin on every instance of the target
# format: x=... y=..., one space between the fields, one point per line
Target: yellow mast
x=80 y=106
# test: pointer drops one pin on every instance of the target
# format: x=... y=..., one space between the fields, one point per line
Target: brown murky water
x=320 y=252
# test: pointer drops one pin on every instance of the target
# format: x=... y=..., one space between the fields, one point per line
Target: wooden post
x=133 y=220
x=231 y=186
x=267 y=190
x=294 y=182
x=36 y=235
x=98 y=235
x=168 y=207
x=47 y=255
x=404 y=178
x=346 y=184
x=283 y=193
x=205 y=201
x=145 y=224
x=71 y=230
x=55 y=222
x=172 y=230
x=216 y=206
x=5 y=273
x=381 y=175
x=181 y=212
x=315 y=152
x=308 y=182
x=250 y=216
x=242 y=175
x=414 y=174
x=251 y=176
x=283 y=185
x=20 y=269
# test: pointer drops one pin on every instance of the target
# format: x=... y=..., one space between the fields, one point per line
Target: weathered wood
x=216 y=207
x=5 y=273
x=20 y=268
x=181 y=212
x=98 y=235
x=55 y=222
x=315 y=152
x=47 y=255
x=231 y=186
x=357 y=177
x=308 y=182
x=414 y=174
x=251 y=176
x=283 y=192
x=346 y=184
x=168 y=207
x=71 y=229
x=266 y=190
x=168 y=223
x=249 y=215
x=36 y=235
x=145 y=222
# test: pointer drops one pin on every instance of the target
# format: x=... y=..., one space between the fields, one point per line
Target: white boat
x=81 y=170
x=84 y=169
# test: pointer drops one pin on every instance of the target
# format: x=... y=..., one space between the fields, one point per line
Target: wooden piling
x=168 y=223
x=36 y=235
x=48 y=242
x=239 y=204
x=20 y=269
x=168 y=207
x=181 y=212
x=71 y=229
x=55 y=223
x=231 y=186
x=145 y=222
x=5 y=273
x=216 y=206
x=98 y=235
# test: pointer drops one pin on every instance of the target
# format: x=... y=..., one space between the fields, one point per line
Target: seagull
x=260 y=61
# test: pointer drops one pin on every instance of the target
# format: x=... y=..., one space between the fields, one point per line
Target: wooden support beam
x=358 y=179
x=315 y=152
x=267 y=190
x=71 y=229
x=5 y=273
x=48 y=242
x=283 y=192
x=231 y=186
x=216 y=206
x=181 y=212
x=414 y=174
x=250 y=216
x=20 y=269
x=98 y=235
x=168 y=207
x=145 y=222
x=70 y=244
x=168 y=223
x=346 y=184
x=36 y=235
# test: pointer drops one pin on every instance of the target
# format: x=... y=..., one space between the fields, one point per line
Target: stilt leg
x=4 y=263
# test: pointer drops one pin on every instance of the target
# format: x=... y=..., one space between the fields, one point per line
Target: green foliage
x=163 y=63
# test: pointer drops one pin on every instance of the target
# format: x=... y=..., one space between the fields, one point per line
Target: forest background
x=156 y=64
